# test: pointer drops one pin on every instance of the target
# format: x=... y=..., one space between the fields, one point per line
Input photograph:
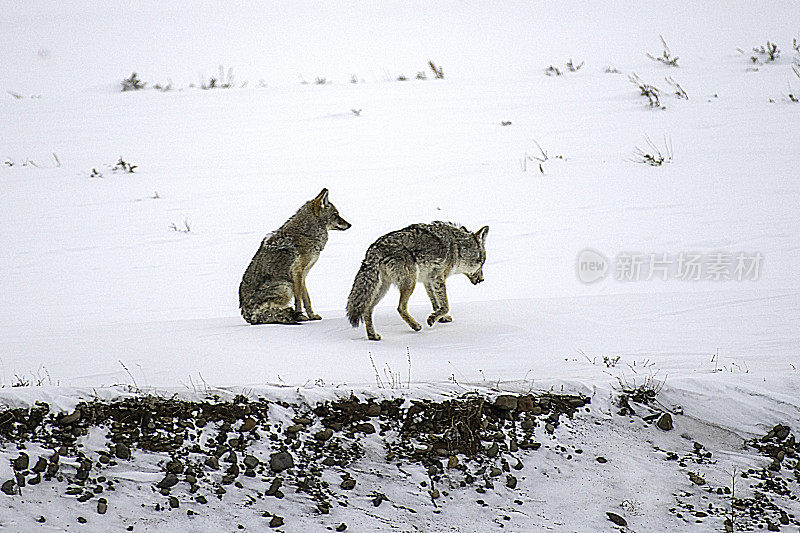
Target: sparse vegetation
x=123 y=166
x=572 y=67
x=677 y=89
x=223 y=80
x=356 y=112
x=438 y=72
x=186 y=228
x=767 y=53
x=652 y=155
x=552 y=71
x=541 y=157
x=133 y=83
x=651 y=92
x=666 y=56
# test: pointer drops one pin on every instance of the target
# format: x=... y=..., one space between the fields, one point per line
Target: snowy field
x=132 y=278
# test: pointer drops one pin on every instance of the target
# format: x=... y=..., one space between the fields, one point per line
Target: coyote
x=425 y=252
x=278 y=270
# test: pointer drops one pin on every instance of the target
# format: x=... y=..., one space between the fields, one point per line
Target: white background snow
x=92 y=277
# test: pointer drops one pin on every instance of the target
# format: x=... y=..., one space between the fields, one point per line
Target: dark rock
x=201 y=499
x=493 y=450
x=41 y=519
x=576 y=402
x=10 y=487
x=122 y=451
x=82 y=520
x=276 y=521
x=35 y=480
x=70 y=418
x=511 y=481
x=174 y=467
x=41 y=465
x=665 y=422
x=21 y=462
x=525 y=403
x=250 y=461
x=212 y=462
x=617 y=519
x=323 y=435
x=173 y=502
x=506 y=402
x=494 y=471
x=102 y=506
x=169 y=481
x=348 y=484
x=341 y=527
x=274 y=486
x=373 y=410
x=296 y=428
x=366 y=428
x=86 y=496
x=249 y=424
x=281 y=461
x=602 y=459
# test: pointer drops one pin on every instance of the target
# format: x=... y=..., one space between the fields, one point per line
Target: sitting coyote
x=278 y=270
x=421 y=252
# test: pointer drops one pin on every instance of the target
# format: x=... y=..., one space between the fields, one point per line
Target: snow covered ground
x=99 y=290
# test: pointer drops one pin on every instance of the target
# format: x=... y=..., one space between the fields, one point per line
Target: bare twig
x=666 y=55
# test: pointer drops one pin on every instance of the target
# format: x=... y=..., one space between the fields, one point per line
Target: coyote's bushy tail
x=363 y=291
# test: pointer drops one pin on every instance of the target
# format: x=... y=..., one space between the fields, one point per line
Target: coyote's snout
x=278 y=271
x=421 y=252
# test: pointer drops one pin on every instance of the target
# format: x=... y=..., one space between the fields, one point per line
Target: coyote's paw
x=314 y=316
x=373 y=336
x=445 y=319
x=415 y=326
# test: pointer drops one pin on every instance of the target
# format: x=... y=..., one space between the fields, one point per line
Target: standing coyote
x=425 y=252
x=278 y=270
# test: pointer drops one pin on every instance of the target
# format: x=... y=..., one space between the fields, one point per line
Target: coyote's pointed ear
x=320 y=201
x=481 y=234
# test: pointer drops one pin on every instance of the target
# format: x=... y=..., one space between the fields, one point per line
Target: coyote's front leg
x=301 y=298
x=437 y=292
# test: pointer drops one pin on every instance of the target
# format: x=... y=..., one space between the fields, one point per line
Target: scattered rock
x=10 y=487
x=324 y=434
x=41 y=465
x=102 y=506
x=70 y=418
x=121 y=451
x=348 y=484
x=281 y=461
x=511 y=481
x=366 y=428
x=506 y=402
x=277 y=521
x=169 y=481
x=341 y=527
x=601 y=459
x=173 y=502
x=249 y=424
x=21 y=462
x=250 y=461
x=617 y=519
x=665 y=422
